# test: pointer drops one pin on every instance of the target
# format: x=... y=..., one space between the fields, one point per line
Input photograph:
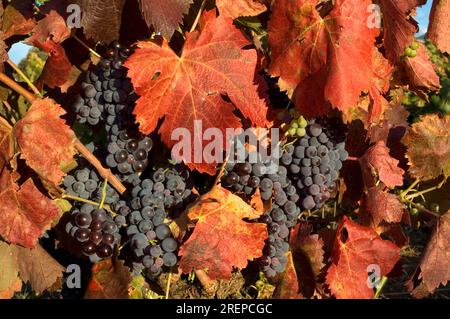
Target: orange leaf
x=9 y=279
x=355 y=249
x=420 y=72
x=53 y=27
x=25 y=213
x=188 y=88
x=309 y=53
x=17 y=21
x=221 y=239
x=45 y=140
x=376 y=163
x=439 y=27
x=399 y=26
x=240 y=8
x=257 y=203
x=7 y=143
x=428 y=143
x=110 y=280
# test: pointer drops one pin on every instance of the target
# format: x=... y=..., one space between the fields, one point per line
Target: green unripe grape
x=421 y=103
x=414 y=46
x=447 y=70
x=294 y=124
x=410 y=53
x=414 y=211
x=435 y=100
x=445 y=107
x=301 y=132
x=414 y=99
x=302 y=122
x=292 y=132
x=406 y=100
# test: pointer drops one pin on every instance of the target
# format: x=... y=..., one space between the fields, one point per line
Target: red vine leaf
x=175 y=88
x=57 y=67
x=102 y=19
x=309 y=54
x=356 y=247
x=439 y=26
x=164 y=16
x=376 y=163
x=240 y=8
x=428 y=144
x=52 y=27
x=45 y=140
x=399 y=26
x=110 y=280
x=39 y=268
x=420 y=72
x=47 y=36
x=308 y=245
x=435 y=259
x=25 y=213
x=221 y=239
x=288 y=287
x=382 y=207
x=7 y=143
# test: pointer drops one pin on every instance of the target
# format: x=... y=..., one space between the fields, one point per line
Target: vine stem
x=12 y=118
x=86 y=46
x=406 y=191
x=105 y=184
x=421 y=208
x=17 y=87
x=87 y=201
x=197 y=19
x=105 y=173
x=352 y=158
x=24 y=77
x=207 y=283
x=380 y=288
x=169 y=279
x=425 y=191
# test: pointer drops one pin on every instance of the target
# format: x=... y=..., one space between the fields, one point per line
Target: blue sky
x=20 y=50
x=422 y=17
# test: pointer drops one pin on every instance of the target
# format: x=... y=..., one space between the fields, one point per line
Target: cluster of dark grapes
x=279 y=220
x=108 y=99
x=86 y=184
x=313 y=164
x=106 y=90
x=302 y=177
x=94 y=232
x=152 y=244
x=274 y=183
x=128 y=153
